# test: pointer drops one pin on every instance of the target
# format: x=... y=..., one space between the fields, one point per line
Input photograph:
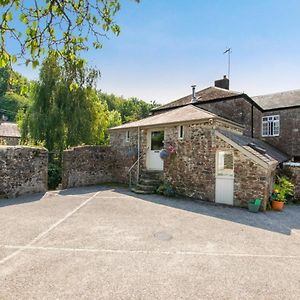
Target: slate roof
x=278 y=100
x=9 y=129
x=253 y=146
x=179 y=115
x=210 y=93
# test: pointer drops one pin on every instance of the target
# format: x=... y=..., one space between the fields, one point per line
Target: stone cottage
x=272 y=118
x=212 y=157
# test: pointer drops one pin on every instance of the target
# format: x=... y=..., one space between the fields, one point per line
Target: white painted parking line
x=150 y=252
x=41 y=235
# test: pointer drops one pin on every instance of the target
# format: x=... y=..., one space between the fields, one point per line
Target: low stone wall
x=89 y=165
x=22 y=170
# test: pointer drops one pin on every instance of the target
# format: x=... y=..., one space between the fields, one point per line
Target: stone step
x=151 y=175
x=146 y=188
x=148 y=181
x=137 y=191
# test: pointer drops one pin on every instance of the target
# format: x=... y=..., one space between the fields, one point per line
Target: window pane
x=157 y=140
x=180 y=132
x=265 y=128
x=225 y=163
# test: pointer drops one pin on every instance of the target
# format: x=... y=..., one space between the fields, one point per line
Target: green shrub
x=54 y=175
x=166 y=189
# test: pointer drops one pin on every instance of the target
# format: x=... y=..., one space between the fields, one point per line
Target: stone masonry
x=22 y=170
x=89 y=165
x=192 y=170
x=288 y=140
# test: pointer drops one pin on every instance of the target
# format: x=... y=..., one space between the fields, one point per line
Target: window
x=180 y=132
x=127 y=136
x=270 y=125
x=224 y=163
x=157 y=140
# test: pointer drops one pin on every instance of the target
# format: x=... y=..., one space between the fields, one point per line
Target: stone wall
x=89 y=165
x=22 y=170
x=288 y=140
x=192 y=170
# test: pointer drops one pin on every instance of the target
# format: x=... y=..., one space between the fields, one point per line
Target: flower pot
x=254 y=205
x=277 y=205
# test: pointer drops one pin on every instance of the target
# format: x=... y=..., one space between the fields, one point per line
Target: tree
x=65 y=109
x=11 y=103
x=131 y=109
x=60 y=28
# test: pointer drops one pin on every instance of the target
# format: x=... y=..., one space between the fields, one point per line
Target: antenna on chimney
x=229 y=51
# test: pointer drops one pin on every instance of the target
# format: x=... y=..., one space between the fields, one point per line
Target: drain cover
x=163 y=236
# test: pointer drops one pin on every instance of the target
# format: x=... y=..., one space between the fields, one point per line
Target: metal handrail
x=131 y=168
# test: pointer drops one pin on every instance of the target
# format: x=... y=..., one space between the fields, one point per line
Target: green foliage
x=283 y=189
x=4 y=80
x=13 y=93
x=56 y=28
x=54 y=174
x=131 y=109
x=166 y=189
x=61 y=116
x=10 y=103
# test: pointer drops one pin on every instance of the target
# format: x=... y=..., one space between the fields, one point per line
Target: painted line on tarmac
x=41 y=235
x=119 y=251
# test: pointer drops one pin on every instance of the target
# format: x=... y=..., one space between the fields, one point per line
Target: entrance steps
x=149 y=181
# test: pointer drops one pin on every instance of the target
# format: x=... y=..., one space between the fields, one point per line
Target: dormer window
x=180 y=132
x=270 y=125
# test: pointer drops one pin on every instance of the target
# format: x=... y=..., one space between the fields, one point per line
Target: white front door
x=224 y=177
x=155 y=143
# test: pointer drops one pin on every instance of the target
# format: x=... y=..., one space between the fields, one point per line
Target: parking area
x=107 y=243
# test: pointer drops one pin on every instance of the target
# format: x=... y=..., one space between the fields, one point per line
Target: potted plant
x=283 y=188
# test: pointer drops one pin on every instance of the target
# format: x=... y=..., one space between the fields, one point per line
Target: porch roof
x=254 y=147
x=179 y=115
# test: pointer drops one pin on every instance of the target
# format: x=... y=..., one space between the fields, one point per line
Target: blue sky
x=167 y=45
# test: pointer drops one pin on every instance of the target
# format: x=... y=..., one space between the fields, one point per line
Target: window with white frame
x=127 y=136
x=180 y=132
x=270 y=125
x=225 y=163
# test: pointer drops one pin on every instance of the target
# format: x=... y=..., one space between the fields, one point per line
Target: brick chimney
x=222 y=83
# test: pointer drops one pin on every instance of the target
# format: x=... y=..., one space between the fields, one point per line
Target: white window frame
x=180 y=137
x=127 y=136
x=270 y=126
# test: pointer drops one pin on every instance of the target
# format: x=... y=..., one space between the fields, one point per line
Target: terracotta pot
x=277 y=205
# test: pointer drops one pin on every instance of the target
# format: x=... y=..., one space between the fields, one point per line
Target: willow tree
x=65 y=110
